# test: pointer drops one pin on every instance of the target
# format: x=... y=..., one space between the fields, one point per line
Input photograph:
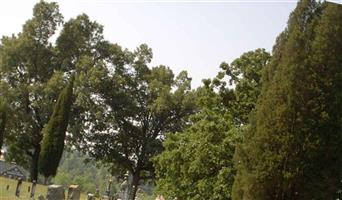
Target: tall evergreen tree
x=291 y=149
x=54 y=133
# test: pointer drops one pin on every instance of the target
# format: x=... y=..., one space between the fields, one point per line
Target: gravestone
x=17 y=190
x=41 y=197
x=90 y=196
x=55 y=192
x=97 y=193
x=33 y=189
x=74 y=192
x=105 y=197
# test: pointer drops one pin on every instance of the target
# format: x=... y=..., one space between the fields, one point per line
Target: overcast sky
x=184 y=34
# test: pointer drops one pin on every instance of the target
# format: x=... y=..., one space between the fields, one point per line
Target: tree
x=244 y=74
x=291 y=146
x=134 y=106
x=26 y=68
x=54 y=132
x=197 y=163
x=34 y=71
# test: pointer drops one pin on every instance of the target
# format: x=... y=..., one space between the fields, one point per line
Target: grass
x=24 y=193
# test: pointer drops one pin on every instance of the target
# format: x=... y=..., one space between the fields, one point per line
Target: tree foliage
x=34 y=70
x=197 y=163
x=27 y=71
x=54 y=132
x=292 y=144
x=134 y=107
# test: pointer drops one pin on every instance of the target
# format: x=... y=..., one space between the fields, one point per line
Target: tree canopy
x=291 y=146
x=267 y=127
x=197 y=163
x=34 y=70
x=135 y=107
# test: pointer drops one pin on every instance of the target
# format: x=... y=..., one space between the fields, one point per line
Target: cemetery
x=241 y=100
x=23 y=190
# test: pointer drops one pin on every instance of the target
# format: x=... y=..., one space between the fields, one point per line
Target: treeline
x=266 y=127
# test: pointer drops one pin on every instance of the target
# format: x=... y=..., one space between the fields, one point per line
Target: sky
x=191 y=35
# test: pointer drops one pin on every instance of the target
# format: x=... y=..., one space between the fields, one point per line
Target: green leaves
x=287 y=150
x=197 y=163
x=34 y=71
x=52 y=145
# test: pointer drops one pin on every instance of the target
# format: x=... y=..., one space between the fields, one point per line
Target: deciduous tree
x=197 y=163
x=34 y=70
x=135 y=107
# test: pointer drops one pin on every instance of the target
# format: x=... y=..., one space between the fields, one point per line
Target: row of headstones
x=56 y=192
x=31 y=189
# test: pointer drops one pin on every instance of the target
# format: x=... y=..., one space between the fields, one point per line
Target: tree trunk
x=34 y=164
x=134 y=185
x=46 y=180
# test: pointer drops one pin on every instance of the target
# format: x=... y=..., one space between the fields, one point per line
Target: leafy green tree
x=291 y=146
x=27 y=69
x=245 y=74
x=197 y=163
x=33 y=71
x=54 y=132
x=134 y=106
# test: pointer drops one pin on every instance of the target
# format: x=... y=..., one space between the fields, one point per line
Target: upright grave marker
x=17 y=190
x=55 y=192
x=74 y=192
x=33 y=189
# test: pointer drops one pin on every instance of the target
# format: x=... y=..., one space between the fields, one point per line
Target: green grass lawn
x=24 y=194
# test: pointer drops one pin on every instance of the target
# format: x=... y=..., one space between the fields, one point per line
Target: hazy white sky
x=184 y=34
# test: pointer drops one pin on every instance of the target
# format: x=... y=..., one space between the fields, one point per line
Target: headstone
x=33 y=190
x=17 y=190
x=97 y=192
x=105 y=197
x=124 y=190
x=108 y=187
x=7 y=187
x=74 y=192
x=55 y=192
x=160 y=197
x=90 y=196
x=41 y=197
